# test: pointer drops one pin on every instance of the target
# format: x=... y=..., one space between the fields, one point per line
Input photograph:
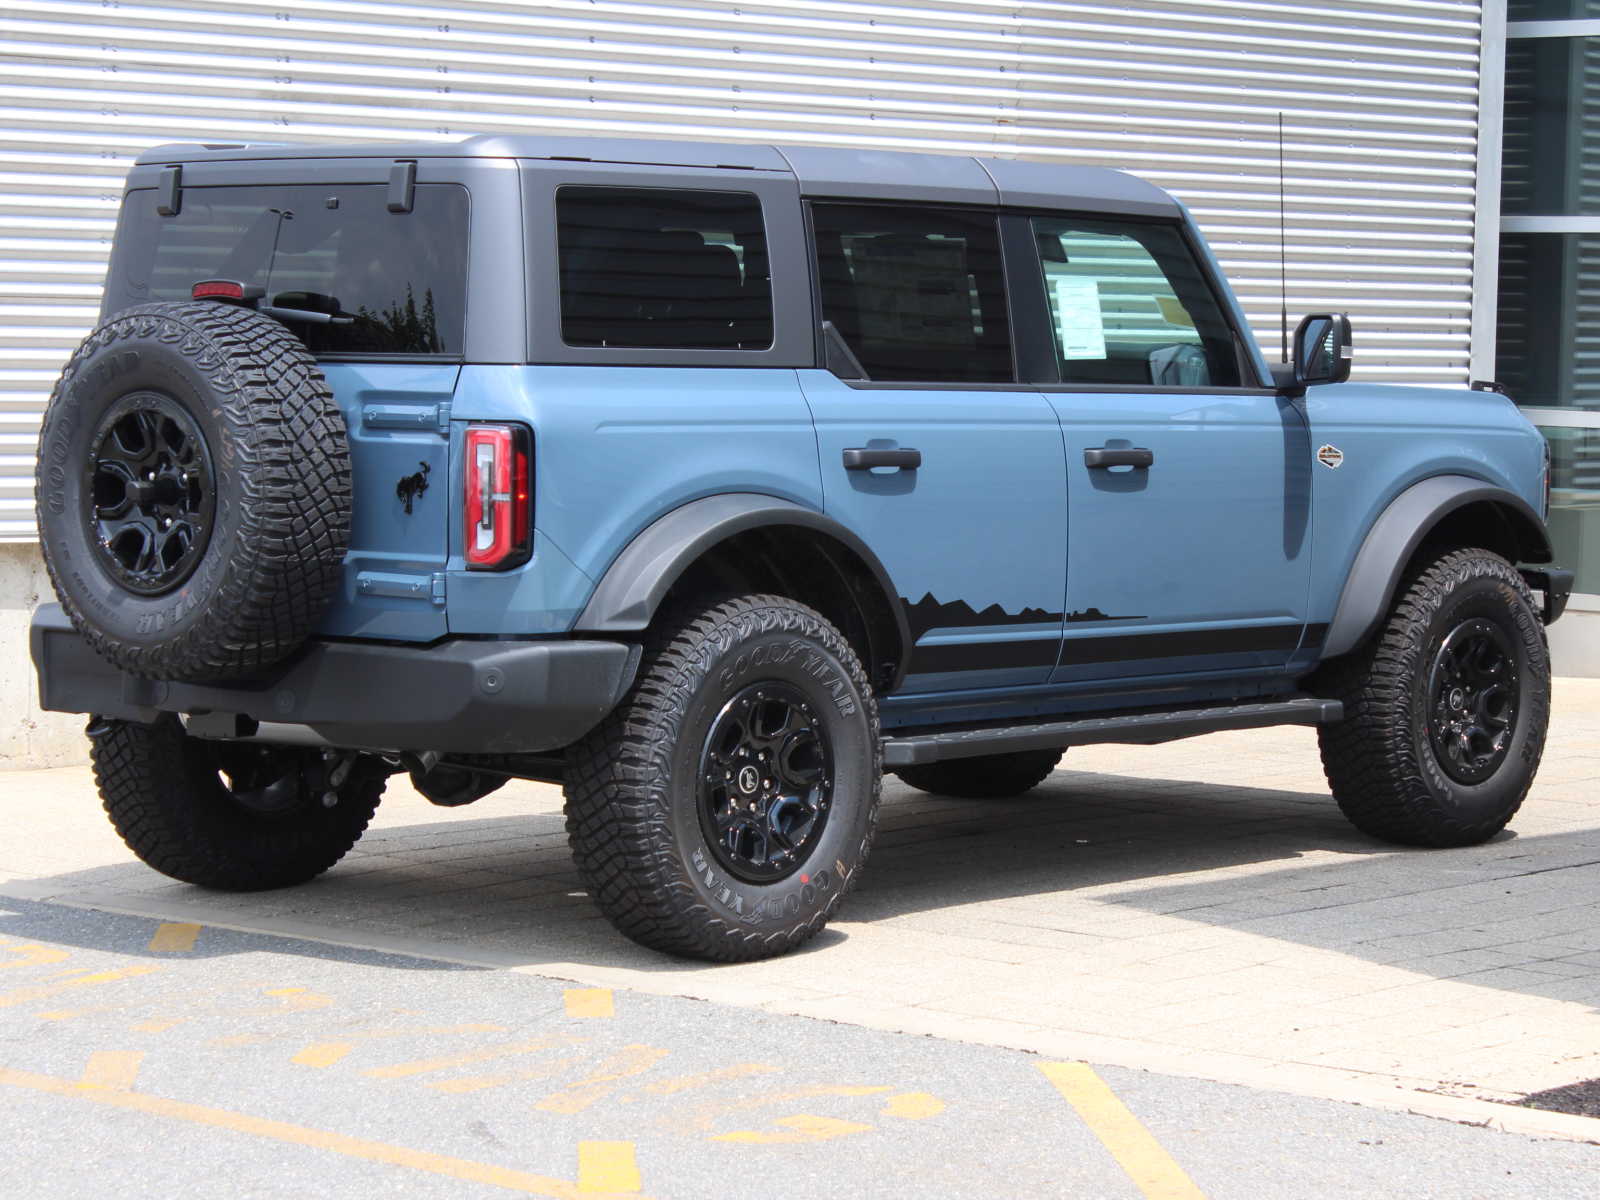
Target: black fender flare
x=631 y=590
x=1394 y=537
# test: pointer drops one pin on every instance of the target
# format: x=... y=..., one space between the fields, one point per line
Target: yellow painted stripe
x=112 y=1069
x=590 y=1002
x=322 y=1054
x=607 y=1167
x=913 y=1106
x=174 y=937
x=33 y=955
x=1133 y=1146
x=29 y=994
x=423 y=1066
x=301 y=1135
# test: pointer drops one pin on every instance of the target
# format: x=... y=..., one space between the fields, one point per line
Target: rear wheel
x=238 y=817
x=989 y=777
x=1445 y=709
x=726 y=806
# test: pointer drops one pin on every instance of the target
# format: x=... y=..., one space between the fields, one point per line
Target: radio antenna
x=1283 y=250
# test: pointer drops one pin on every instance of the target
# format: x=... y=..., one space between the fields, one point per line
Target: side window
x=663 y=268
x=1129 y=304
x=916 y=293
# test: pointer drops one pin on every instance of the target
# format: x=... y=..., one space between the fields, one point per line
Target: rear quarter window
x=389 y=283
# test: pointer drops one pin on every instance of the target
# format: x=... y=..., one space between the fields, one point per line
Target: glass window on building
x=1548 y=342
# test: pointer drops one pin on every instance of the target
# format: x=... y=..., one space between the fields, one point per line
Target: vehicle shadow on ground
x=504 y=885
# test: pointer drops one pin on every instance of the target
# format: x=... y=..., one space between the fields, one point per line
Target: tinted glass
x=1130 y=305
x=661 y=268
x=1551 y=10
x=392 y=283
x=916 y=293
x=1552 y=126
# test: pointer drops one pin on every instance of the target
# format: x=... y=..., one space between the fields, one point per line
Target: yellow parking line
x=322 y=1054
x=1137 y=1152
x=590 y=1002
x=607 y=1167
x=27 y=995
x=423 y=1066
x=301 y=1135
x=174 y=937
x=33 y=955
x=115 y=1069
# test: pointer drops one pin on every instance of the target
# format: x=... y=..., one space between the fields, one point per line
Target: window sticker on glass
x=1078 y=317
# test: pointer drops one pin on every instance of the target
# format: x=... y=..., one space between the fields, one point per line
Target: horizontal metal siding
x=1379 y=102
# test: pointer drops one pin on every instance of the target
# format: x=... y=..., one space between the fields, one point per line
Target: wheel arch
x=1453 y=510
x=747 y=541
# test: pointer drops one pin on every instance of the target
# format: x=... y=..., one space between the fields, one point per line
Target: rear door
x=968 y=510
x=1189 y=492
x=379 y=296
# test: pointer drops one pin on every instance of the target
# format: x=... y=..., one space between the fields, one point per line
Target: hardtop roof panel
x=835 y=173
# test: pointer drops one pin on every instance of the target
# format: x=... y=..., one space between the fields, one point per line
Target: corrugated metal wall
x=1379 y=97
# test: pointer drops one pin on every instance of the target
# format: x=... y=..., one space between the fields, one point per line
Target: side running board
x=1143 y=728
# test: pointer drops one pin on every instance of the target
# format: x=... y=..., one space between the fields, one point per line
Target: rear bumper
x=456 y=697
x=1556 y=585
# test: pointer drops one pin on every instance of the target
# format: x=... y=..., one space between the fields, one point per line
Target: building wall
x=28 y=736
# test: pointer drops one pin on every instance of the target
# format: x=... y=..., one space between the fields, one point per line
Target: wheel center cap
x=749 y=780
x=1457 y=698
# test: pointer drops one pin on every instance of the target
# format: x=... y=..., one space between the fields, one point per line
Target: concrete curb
x=1391 y=1092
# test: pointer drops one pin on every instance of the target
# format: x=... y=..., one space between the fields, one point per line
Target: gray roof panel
x=1098 y=189
x=822 y=172
x=890 y=175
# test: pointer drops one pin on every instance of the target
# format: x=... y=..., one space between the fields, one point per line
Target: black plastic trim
x=1556 y=584
x=1133 y=647
x=455 y=696
x=1394 y=537
x=638 y=579
x=1146 y=728
x=1010 y=654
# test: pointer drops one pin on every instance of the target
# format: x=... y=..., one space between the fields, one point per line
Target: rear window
x=663 y=269
x=390 y=283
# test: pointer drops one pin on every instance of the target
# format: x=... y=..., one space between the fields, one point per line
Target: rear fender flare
x=633 y=586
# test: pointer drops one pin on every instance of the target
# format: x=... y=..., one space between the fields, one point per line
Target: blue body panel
x=1213 y=536
x=392 y=413
x=1393 y=437
x=975 y=539
x=615 y=448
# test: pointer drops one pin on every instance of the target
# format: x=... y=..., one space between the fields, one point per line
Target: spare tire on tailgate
x=193 y=490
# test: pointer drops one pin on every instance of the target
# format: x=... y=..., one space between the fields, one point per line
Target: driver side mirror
x=1321 y=352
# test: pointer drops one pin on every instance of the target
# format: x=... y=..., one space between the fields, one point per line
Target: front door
x=1189 y=494
x=937 y=459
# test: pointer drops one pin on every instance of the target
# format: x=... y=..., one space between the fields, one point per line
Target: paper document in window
x=1083 y=330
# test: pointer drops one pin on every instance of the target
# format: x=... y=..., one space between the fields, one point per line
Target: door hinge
x=438 y=587
x=407 y=416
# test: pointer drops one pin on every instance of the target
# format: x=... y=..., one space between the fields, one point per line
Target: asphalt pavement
x=154 y=1058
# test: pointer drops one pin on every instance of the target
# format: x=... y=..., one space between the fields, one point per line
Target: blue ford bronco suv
x=712 y=482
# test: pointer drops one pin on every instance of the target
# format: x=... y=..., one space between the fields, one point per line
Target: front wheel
x=238 y=817
x=726 y=806
x=1445 y=709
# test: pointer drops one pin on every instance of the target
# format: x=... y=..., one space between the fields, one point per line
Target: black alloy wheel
x=1472 y=690
x=149 y=499
x=766 y=782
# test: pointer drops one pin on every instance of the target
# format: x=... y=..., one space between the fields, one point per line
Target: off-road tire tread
x=987 y=777
x=185 y=830
x=293 y=474
x=618 y=813
x=1369 y=757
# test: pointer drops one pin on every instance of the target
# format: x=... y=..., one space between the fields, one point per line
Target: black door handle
x=1101 y=457
x=861 y=459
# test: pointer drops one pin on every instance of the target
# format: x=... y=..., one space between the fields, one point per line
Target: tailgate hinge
x=442 y=413
x=438 y=587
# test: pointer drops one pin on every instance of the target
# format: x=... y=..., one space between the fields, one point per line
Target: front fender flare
x=1394 y=537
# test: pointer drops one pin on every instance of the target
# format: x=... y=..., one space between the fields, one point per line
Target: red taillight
x=218 y=289
x=498 y=479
